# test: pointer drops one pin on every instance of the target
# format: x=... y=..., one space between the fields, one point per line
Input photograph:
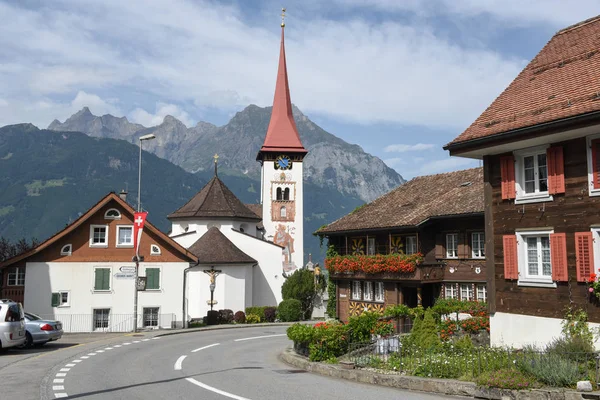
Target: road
x=239 y=364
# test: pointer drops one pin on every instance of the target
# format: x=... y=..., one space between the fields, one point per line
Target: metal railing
x=365 y=251
x=85 y=323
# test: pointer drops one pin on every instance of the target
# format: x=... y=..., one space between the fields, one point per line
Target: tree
x=9 y=250
x=301 y=286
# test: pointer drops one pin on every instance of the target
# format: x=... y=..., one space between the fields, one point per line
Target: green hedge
x=260 y=312
x=290 y=310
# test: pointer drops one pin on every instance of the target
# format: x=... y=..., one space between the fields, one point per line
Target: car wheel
x=28 y=341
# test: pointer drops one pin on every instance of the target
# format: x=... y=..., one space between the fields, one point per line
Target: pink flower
x=591 y=290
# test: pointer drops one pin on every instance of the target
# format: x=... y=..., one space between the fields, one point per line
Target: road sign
x=141 y=283
x=122 y=275
x=127 y=270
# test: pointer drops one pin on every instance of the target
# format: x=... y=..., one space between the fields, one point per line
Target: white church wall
x=77 y=279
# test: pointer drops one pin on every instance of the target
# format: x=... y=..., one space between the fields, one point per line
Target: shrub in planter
x=270 y=314
x=239 y=317
x=212 y=317
x=258 y=311
x=302 y=336
x=424 y=333
x=290 y=310
x=226 y=316
x=252 y=319
x=360 y=327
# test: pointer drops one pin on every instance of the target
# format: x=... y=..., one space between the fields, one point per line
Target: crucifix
x=216 y=157
x=212 y=274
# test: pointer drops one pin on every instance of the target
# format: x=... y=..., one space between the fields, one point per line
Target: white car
x=12 y=324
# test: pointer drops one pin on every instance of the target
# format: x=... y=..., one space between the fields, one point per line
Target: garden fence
x=84 y=323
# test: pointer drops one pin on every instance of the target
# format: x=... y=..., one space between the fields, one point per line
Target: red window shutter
x=584 y=255
x=507 y=173
x=596 y=162
x=511 y=263
x=558 y=255
x=556 y=170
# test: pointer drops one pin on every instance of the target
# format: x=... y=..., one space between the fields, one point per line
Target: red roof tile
x=562 y=81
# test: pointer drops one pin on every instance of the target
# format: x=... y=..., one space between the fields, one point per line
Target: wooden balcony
x=16 y=293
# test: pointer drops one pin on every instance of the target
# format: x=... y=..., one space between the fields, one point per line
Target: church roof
x=282 y=133
x=215 y=200
x=215 y=248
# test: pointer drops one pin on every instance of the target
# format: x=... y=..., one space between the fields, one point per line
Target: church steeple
x=282 y=134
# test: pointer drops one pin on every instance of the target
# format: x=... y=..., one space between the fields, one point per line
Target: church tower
x=281 y=157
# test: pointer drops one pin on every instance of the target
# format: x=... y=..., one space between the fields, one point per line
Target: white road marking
x=126 y=344
x=99 y=351
x=146 y=340
x=108 y=348
x=258 y=337
x=117 y=346
x=76 y=361
x=179 y=362
x=206 y=347
x=85 y=357
x=70 y=365
x=59 y=395
x=215 y=390
x=136 y=341
x=91 y=354
x=65 y=369
x=58 y=381
x=60 y=374
x=58 y=388
x=156 y=338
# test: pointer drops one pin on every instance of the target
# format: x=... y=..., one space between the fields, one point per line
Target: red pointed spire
x=282 y=134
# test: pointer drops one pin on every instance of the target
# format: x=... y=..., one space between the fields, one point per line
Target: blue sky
x=398 y=77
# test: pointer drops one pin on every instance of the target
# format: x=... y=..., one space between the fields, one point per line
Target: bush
x=252 y=319
x=575 y=348
x=361 y=326
x=475 y=324
x=239 y=317
x=322 y=342
x=506 y=379
x=270 y=314
x=289 y=310
x=225 y=316
x=550 y=369
x=424 y=333
x=258 y=311
x=331 y=303
x=301 y=286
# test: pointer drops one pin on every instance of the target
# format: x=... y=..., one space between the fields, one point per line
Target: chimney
x=123 y=195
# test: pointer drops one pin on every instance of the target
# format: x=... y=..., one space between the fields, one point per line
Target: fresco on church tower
x=283 y=237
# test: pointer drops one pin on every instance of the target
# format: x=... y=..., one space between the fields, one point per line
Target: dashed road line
x=60 y=395
x=61 y=374
x=259 y=337
x=58 y=381
x=205 y=347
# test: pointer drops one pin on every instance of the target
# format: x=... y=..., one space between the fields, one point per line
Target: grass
x=34 y=188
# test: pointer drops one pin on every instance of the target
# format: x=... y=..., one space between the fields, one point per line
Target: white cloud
x=3 y=103
x=446 y=165
x=97 y=105
x=403 y=148
x=395 y=162
x=143 y=117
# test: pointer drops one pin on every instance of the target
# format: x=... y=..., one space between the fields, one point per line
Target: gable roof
x=214 y=200
x=562 y=81
x=215 y=248
x=257 y=209
x=81 y=220
x=421 y=198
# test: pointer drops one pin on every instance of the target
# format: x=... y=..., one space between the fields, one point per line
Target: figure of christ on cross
x=212 y=274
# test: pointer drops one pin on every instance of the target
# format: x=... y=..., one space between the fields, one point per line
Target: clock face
x=283 y=162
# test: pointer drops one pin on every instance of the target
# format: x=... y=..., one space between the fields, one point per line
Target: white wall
x=516 y=330
x=42 y=279
x=201 y=226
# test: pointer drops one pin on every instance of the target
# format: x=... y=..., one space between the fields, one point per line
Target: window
x=125 y=236
x=532 y=174
x=66 y=250
x=113 y=213
x=101 y=317
x=61 y=299
x=593 y=159
x=379 y=293
x=102 y=279
x=286 y=194
x=411 y=245
x=466 y=291
x=282 y=212
x=356 y=290
x=150 y=317
x=481 y=293
x=279 y=194
x=16 y=277
x=368 y=293
x=478 y=245
x=99 y=236
x=152 y=278
x=371 y=247
x=450 y=291
x=534 y=260
x=452 y=245
x=155 y=250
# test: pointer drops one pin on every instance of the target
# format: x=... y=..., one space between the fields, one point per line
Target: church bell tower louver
x=281 y=157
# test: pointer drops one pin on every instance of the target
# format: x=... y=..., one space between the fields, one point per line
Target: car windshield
x=32 y=317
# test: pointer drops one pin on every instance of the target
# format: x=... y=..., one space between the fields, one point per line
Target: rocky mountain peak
x=171 y=120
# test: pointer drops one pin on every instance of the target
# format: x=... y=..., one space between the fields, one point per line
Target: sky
x=400 y=78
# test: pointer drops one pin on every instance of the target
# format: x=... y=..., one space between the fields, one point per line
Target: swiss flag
x=139 y=218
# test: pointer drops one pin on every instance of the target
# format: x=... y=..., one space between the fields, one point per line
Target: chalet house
x=540 y=146
x=84 y=274
x=426 y=238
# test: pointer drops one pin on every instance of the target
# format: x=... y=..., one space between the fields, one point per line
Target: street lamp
x=137 y=258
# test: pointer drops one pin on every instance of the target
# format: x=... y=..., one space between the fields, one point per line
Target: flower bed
x=393 y=263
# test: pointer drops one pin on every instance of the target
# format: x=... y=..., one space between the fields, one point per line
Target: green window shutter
x=55 y=299
x=102 y=279
x=152 y=278
x=106 y=279
x=98 y=279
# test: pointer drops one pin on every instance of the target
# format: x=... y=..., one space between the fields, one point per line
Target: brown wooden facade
x=432 y=277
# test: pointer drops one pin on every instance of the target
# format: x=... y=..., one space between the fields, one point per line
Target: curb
x=236 y=326
x=430 y=385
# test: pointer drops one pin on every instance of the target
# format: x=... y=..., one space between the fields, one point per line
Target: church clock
x=283 y=162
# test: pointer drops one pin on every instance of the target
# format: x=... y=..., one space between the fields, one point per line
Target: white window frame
x=102 y=329
x=481 y=292
x=124 y=245
x=379 y=292
x=371 y=247
x=411 y=245
x=596 y=244
x=522 y=197
x=480 y=253
x=356 y=294
x=110 y=278
x=283 y=212
x=524 y=278
x=157 y=318
x=64 y=252
x=455 y=236
x=155 y=253
x=66 y=303
x=590 y=165
x=101 y=245
x=468 y=289
x=368 y=292
x=453 y=291
x=106 y=216
x=19 y=277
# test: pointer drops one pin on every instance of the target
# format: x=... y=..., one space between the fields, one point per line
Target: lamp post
x=137 y=258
